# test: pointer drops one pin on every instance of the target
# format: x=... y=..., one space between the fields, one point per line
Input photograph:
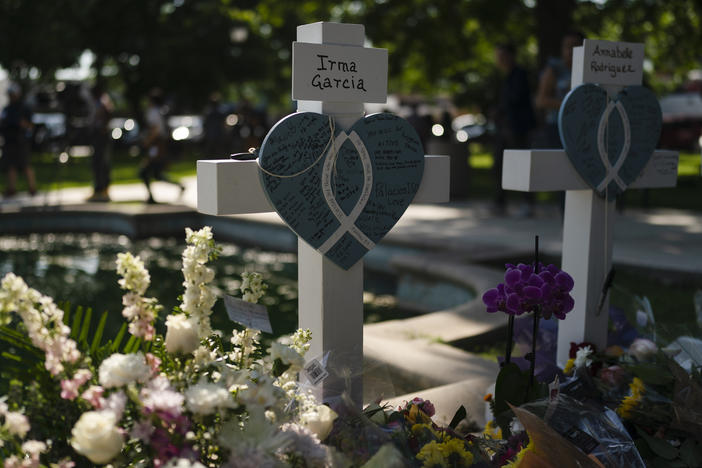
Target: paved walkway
x=663 y=239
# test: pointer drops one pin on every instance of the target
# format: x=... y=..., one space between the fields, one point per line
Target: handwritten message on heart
x=609 y=141
x=341 y=191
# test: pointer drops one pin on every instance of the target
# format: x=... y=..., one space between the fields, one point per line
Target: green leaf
x=11 y=356
x=19 y=340
x=458 y=417
x=118 y=338
x=75 y=329
x=510 y=387
x=652 y=374
x=97 y=338
x=85 y=328
x=659 y=446
x=128 y=347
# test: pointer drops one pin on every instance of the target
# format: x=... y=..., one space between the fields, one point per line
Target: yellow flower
x=423 y=429
x=454 y=451
x=570 y=365
x=492 y=430
x=520 y=456
x=417 y=416
x=431 y=455
x=630 y=402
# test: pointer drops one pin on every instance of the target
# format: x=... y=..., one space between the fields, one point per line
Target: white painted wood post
x=330 y=299
x=589 y=219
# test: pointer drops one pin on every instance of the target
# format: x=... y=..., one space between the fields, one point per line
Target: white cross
x=330 y=299
x=589 y=219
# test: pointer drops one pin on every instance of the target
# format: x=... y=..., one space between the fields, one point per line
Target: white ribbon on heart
x=613 y=171
x=347 y=222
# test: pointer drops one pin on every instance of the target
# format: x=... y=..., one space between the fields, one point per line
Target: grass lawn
x=685 y=196
x=77 y=172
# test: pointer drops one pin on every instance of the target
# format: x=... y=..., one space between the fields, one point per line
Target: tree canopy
x=242 y=48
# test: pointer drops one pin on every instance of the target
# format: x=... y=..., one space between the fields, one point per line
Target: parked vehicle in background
x=124 y=131
x=682 y=121
x=186 y=127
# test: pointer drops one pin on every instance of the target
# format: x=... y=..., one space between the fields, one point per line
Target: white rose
x=642 y=349
x=182 y=335
x=183 y=463
x=122 y=369
x=319 y=420
x=96 y=436
x=34 y=447
x=206 y=398
x=16 y=423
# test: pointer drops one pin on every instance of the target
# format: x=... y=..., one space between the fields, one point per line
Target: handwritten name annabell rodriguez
x=612 y=68
x=340 y=78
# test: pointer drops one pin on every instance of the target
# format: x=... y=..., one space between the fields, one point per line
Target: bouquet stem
x=510 y=338
x=535 y=331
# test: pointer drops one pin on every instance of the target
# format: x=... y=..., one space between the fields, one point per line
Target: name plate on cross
x=610 y=63
x=609 y=126
x=336 y=73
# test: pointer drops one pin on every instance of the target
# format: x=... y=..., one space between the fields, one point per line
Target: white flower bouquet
x=191 y=398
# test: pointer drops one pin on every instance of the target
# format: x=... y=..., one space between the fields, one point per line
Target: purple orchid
x=524 y=290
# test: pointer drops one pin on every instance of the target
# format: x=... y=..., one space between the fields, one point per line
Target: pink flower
x=93 y=395
x=614 y=376
x=142 y=430
x=13 y=462
x=70 y=387
x=428 y=408
x=153 y=362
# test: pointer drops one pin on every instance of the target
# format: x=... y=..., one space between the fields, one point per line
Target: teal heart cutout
x=609 y=141
x=342 y=195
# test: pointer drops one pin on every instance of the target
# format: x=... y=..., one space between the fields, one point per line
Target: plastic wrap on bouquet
x=592 y=427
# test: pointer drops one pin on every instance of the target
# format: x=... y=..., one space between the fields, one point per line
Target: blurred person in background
x=155 y=144
x=214 y=127
x=554 y=84
x=100 y=111
x=15 y=129
x=420 y=123
x=514 y=119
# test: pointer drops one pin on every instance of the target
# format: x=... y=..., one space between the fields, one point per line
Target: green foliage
x=24 y=378
x=459 y=416
x=242 y=49
x=512 y=388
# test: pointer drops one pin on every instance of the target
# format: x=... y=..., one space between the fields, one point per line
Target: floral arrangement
x=543 y=291
x=191 y=398
x=624 y=407
x=658 y=401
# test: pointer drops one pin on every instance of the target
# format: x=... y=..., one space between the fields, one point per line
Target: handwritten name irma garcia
x=339 y=74
x=606 y=65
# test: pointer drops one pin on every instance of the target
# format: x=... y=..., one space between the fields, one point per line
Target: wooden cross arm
x=226 y=186
x=539 y=170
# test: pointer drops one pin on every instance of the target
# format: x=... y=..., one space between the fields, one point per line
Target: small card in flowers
x=315 y=372
x=248 y=314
